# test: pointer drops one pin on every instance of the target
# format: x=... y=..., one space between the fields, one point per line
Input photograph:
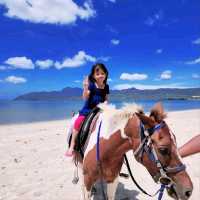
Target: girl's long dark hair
x=102 y=67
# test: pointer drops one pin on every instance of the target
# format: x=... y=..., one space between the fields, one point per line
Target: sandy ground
x=33 y=166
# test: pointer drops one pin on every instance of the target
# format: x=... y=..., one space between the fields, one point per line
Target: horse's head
x=155 y=147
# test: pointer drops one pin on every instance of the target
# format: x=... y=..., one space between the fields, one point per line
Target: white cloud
x=115 y=42
x=20 y=62
x=159 y=51
x=197 y=41
x=45 y=11
x=110 y=80
x=144 y=87
x=79 y=59
x=151 y=20
x=44 y=64
x=196 y=76
x=166 y=75
x=104 y=58
x=111 y=29
x=193 y=62
x=15 y=79
x=113 y=1
x=132 y=77
x=3 y=68
x=77 y=81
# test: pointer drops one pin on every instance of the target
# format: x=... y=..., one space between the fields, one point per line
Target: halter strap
x=176 y=169
x=146 y=147
x=156 y=128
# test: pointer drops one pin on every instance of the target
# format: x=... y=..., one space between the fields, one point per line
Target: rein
x=145 y=146
x=161 y=190
x=135 y=182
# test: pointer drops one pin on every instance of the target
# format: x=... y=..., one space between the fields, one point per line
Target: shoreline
x=68 y=118
x=33 y=165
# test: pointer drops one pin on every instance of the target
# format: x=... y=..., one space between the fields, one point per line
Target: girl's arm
x=86 y=91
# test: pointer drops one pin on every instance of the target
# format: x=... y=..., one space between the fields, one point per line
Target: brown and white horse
x=122 y=130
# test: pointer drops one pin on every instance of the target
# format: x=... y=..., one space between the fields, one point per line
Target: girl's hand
x=86 y=91
x=86 y=82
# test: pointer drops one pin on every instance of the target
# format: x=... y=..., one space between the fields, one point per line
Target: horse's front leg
x=111 y=189
x=85 y=194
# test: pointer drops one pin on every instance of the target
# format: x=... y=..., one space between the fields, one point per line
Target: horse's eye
x=164 y=151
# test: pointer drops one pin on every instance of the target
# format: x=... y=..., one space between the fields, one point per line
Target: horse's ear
x=157 y=112
x=147 y=121
x=158 y=107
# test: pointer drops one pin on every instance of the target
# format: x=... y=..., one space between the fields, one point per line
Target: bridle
x=146 y=146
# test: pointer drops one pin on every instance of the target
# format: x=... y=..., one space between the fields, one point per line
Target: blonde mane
x=116 y=119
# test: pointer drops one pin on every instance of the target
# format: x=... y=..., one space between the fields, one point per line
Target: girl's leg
x=72 y=144
x=75 y=132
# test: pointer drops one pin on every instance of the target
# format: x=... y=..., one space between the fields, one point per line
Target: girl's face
x=99 y=75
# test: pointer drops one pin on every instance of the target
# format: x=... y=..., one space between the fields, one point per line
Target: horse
x=118 y=131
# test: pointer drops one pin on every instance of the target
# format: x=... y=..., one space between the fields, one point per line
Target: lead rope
x=162 y=188
x=99 y=165
x=160 y=191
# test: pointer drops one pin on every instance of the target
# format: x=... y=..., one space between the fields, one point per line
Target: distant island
x=70 y=93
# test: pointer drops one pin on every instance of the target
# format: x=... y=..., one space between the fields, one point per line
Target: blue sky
x=50 y=44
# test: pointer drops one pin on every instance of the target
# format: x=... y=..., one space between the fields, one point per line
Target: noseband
x=147 y=146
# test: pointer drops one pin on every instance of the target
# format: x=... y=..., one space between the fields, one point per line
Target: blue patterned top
x=96 y=96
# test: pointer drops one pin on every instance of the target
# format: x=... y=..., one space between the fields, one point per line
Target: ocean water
x=33 y=111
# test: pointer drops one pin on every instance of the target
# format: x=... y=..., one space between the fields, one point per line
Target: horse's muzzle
x=175 y=194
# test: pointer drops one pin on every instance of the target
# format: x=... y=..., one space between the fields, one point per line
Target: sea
x=14 y=112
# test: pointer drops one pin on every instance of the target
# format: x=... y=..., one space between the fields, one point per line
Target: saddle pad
x=86 y=128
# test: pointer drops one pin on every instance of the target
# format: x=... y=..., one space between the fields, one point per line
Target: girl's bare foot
x=69 y=153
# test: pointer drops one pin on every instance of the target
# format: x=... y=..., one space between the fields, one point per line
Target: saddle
x=85 y=130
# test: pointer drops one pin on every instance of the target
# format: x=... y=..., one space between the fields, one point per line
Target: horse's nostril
x=188 y=193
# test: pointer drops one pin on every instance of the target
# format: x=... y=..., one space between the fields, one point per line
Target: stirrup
x=75 y=180
x=76 y=177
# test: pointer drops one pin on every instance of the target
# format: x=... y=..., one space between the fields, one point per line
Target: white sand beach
x=33 y=165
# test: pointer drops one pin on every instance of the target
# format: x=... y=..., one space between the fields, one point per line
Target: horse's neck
x=118 y=142
x=112 y=141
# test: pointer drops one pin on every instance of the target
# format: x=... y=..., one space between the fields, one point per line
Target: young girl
x=95 y=91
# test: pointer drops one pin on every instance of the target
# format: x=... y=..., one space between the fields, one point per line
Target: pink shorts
x=78 y=122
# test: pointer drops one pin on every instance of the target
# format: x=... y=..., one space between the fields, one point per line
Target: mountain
x=65 y=93
x=132 y=93
x=158 y=94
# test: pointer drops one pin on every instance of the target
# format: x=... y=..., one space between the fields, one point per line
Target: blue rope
x=98 y=137
x=162 y=188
